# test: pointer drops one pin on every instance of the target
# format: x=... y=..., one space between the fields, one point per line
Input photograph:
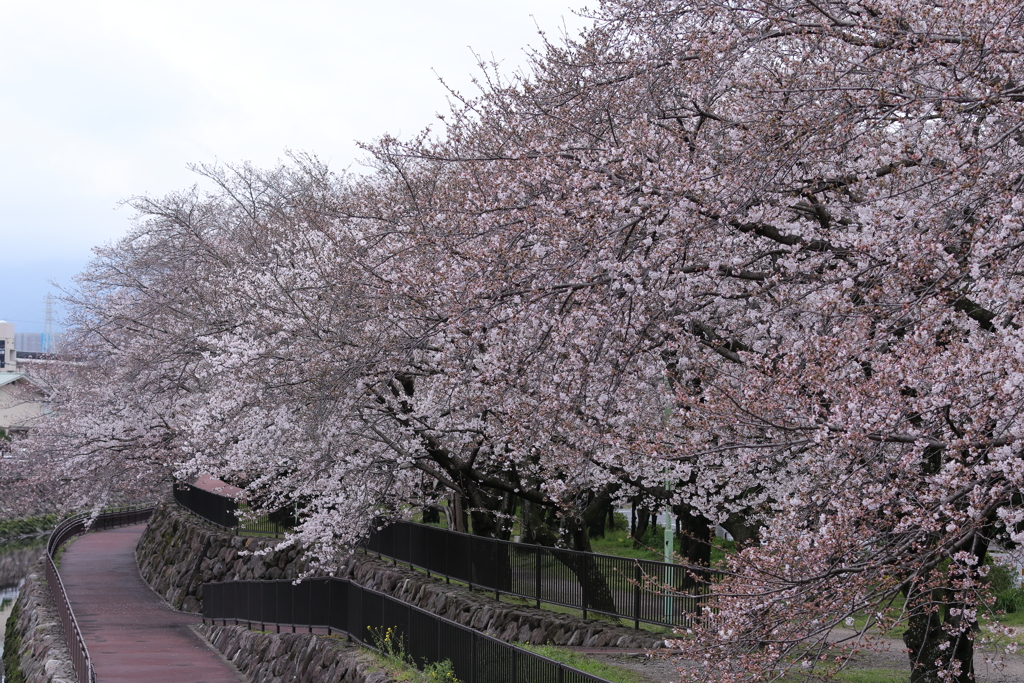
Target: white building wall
x=9 y=360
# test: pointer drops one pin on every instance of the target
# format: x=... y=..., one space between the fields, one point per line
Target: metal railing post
x=584 y=583
x=637 y=576
x=537 y=554
x=472 y=658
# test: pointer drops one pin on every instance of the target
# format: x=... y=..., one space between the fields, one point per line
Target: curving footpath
x=131 y=633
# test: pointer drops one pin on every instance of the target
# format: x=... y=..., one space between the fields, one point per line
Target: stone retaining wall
x=272 y=657
x=179 y=551
x=34 y=646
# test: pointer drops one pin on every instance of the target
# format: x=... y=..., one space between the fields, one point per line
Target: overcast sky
x=101 y=101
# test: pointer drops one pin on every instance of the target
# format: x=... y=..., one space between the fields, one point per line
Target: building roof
x=9 y=377
x=12 y=377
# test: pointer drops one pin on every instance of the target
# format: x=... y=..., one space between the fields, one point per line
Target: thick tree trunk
x=431 y=514
x=929 y=646
x=598 y=596
x=695 y=538
x=596 y=527
x=574 y=530
x=741 y=530
x=937 y=634
x=457 y=514
x=643 y=521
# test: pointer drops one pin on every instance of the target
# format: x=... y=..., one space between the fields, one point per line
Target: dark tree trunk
x=937 y=634
x=491 y=515
x=741 y=530
x=598 y=594
x=696 y=534
x=573 y=530
x=431 y=514
x=596 y=527
x=643 y=521
x=925 y=636
x=457 y=514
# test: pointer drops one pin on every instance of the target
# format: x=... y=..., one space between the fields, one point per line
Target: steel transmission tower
x=44 y=344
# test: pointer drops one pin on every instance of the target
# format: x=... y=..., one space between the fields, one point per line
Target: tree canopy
x=767 y=252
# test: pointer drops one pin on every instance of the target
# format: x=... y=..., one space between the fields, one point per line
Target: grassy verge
x=22 y=543
x=11 y=529
x=391 y=655
x=873 y=676
x=855 y=676
x=578 y=660
x=619 y=543
x=12 y=643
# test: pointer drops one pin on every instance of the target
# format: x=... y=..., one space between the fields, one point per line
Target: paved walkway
x=132 y=635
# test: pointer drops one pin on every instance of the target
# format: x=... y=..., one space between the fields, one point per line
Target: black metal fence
x=637 y=590
x=224 y=511
x=65 y=531
x=365 y=615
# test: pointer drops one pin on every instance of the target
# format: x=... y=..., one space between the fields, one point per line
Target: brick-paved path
x=132 y=635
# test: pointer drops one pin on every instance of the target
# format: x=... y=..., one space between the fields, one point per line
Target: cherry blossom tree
x=766 y=254
x=796 y=227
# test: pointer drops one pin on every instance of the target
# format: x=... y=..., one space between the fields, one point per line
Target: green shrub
x=12 y=644
x=1000 y=578
x=16 y=528
x=1010 y=601
x=441 y=672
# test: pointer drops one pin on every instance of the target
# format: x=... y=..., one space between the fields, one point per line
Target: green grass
x=873 y=676
x=22 y=543
x=720 y=549
x=578 y=660
x=12 y=647
x=623 y=621
x=618 y=542
x=28 y=526
x=853 y=676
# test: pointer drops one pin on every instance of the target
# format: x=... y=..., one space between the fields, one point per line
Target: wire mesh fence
x=637 y=590
x=382 y=623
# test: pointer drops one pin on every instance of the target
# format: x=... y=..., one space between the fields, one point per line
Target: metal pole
x=669 y=557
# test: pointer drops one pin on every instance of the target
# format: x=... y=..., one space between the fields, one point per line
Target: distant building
x=36 y=342
x=8 y=355
x=23 y=399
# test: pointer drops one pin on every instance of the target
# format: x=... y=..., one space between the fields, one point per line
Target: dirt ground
x=894 y=658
